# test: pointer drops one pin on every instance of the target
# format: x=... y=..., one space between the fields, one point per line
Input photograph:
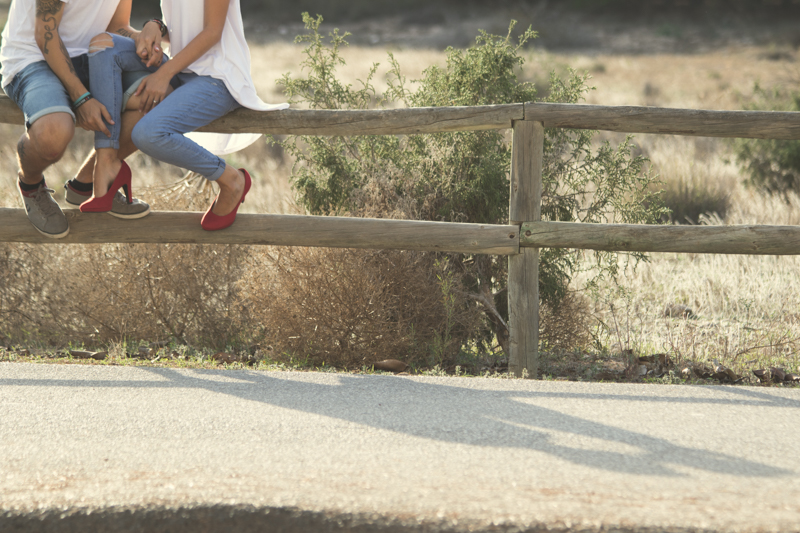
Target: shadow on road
x=495 y=418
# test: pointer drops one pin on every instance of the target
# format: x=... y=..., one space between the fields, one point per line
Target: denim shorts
x=39 y=92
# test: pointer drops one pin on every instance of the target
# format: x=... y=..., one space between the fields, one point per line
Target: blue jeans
x=39 y=92
x=195 y=102
x=106 y=70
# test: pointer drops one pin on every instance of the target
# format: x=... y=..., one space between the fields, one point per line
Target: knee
x=100 y=42
x=144 y=136
x=51 y=134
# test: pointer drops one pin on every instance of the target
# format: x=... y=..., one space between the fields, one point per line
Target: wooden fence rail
x=276 y=230
x=740 y=239
x=520 y=240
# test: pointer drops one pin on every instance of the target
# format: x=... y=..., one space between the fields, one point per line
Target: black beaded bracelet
x=160 y=25
x=82 y=100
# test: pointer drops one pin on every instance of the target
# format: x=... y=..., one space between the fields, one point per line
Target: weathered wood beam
x=627 y=119
x=525 y=203
x=346 y=122
x=281 y=230
x=697 y=122
x=369 y=122
x=739 y=239
x=9 y=112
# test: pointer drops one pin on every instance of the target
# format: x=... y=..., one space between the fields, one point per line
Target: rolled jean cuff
x=129 y=92
x=101 y=141
x=50 y=110
x=217 y=173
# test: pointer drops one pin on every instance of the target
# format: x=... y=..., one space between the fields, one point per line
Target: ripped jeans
x=107 y=66
x=195 y=102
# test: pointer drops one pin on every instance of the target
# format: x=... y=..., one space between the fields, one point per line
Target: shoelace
x=44 y=201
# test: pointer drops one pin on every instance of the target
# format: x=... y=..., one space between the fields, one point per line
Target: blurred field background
x=741 y=310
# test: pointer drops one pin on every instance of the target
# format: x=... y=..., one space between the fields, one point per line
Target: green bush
x=689 y=198
x=461 y=176
x=772 y=165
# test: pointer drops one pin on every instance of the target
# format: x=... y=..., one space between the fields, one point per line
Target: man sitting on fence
x=44 y=58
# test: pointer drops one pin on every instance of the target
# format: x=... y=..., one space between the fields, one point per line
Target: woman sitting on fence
x=210 y=73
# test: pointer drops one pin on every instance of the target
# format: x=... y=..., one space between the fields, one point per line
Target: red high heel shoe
x=212 y=222
x=103 y=203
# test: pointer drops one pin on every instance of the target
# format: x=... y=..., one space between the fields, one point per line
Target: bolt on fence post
x=525 y=205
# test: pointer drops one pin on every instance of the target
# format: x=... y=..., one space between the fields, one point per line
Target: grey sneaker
x=119 y=207
x=44 y=213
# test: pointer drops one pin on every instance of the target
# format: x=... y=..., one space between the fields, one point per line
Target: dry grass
x=350 y=308
x=745 y=309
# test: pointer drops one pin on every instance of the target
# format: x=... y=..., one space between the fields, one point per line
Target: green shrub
x=688 y=199
x=461 y=176
x=772 y=165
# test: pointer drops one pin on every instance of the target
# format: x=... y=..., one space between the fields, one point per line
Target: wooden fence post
x=525 y=204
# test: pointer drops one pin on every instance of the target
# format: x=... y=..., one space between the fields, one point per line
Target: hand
x=148 y=44
x=153 y=90
x=91 y=115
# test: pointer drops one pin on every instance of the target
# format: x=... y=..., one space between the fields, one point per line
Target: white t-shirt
x=82 y=20
x=228 y=60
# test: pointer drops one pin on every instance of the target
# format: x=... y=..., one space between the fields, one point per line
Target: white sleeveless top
x=228 y=60
x=82 y=20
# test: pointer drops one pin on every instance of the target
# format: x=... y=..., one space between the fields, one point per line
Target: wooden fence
x=520 y=240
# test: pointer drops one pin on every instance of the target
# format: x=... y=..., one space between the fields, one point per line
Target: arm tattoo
x=21 y=149
x=125 y=33
x=46 y=11
x=48 y=7
x=66 y=54
x=50 y=26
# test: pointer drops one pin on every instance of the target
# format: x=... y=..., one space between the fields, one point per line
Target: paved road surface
x=93 y=448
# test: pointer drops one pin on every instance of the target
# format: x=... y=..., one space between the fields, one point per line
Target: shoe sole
x=129 y=217
x=117 y=215
x=52 y=235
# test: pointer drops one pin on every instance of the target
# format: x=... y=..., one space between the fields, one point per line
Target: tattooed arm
x=48 y=18
x=148 y=41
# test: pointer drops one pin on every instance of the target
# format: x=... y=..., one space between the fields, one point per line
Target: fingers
x=152 y=102
x=102 y=127
x=150 y=95
x=143 y=47
x=155 y=56
x=93 y=116
x=148 y=101
x=106 y=118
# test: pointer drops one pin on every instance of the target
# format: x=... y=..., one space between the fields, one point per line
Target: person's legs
x=160 y=134
x=49 y=120
x=113 y=67
x=130 y=116
x=50 y=126
x=126 y=147
x=110 y=56
x=80 y=188
x=43 y=144
x=198 y=101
